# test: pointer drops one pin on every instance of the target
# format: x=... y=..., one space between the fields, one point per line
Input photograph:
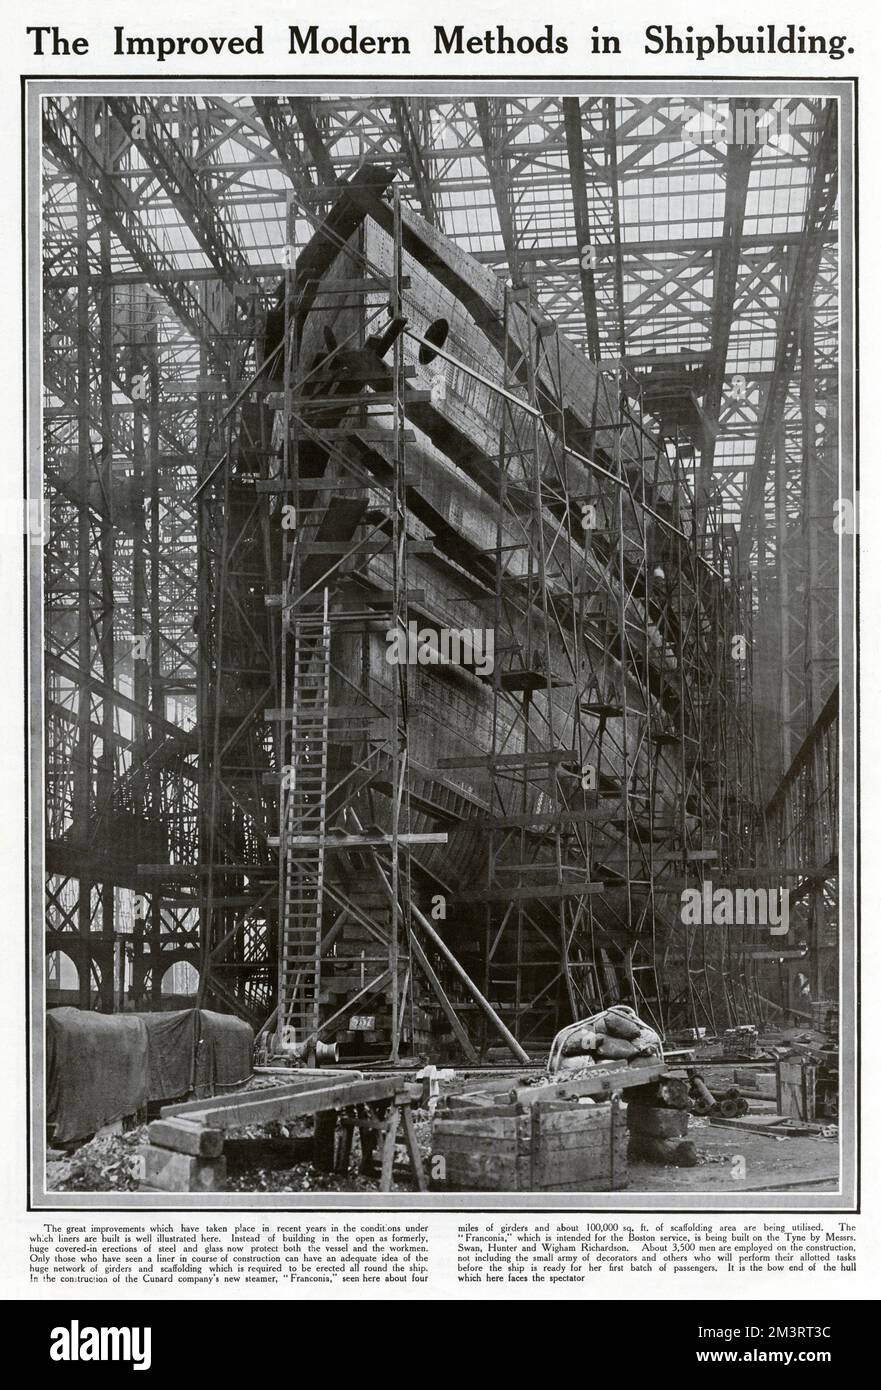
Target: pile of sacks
x=616 y=1034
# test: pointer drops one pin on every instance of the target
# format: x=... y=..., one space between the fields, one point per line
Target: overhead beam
x=499 y=183
x=141 y=123
x=410 y=146
x=302 y=110
x=278 y=120
x=611 y=149
x=578 y=181
x=75 y=155
x=818 y=217
x=738 y=163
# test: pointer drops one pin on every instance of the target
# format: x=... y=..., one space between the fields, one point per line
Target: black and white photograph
x=442 y=644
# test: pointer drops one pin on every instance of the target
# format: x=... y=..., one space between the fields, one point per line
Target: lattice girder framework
x=161 y=218
x=802 y=820
x=656 y=174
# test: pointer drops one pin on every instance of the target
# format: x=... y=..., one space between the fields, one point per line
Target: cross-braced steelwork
x=329 y=379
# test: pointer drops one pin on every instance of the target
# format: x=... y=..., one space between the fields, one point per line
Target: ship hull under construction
x=501 y=669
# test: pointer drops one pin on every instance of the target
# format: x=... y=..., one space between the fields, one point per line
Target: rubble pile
x=105 y=1164
x=252 y=1175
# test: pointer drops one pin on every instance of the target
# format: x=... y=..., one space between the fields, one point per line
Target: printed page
x=434 y=699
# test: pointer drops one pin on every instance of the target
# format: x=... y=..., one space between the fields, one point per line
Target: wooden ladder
x=304 y=816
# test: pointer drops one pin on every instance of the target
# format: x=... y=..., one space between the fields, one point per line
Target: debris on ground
x=105 y=1164
x=254 y=1176
x=260 y=1158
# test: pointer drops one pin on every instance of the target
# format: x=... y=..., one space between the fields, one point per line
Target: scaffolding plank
x=555 y=755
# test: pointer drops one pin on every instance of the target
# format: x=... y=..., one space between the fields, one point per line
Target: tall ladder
x=303 y=833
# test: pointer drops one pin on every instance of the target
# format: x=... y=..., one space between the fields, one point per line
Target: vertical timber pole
x=399 y=673
x=83 y=756
x=106 y=776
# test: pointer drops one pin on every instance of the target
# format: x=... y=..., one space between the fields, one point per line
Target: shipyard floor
x=759 y=1151
x=769 y=1164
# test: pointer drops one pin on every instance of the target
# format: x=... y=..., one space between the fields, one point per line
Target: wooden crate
x=550 y=1147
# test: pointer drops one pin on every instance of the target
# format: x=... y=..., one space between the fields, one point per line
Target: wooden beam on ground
x=413 y=1149
x=258 y=1108
x=388 y=1149
x=601 y=1081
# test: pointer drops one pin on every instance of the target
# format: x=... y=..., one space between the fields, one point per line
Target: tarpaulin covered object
x=173 y=1038
x=226 y=1048
x=101 y=1067
x=97 y=1070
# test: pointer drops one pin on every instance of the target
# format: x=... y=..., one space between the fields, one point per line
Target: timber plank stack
x=181 y=1156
